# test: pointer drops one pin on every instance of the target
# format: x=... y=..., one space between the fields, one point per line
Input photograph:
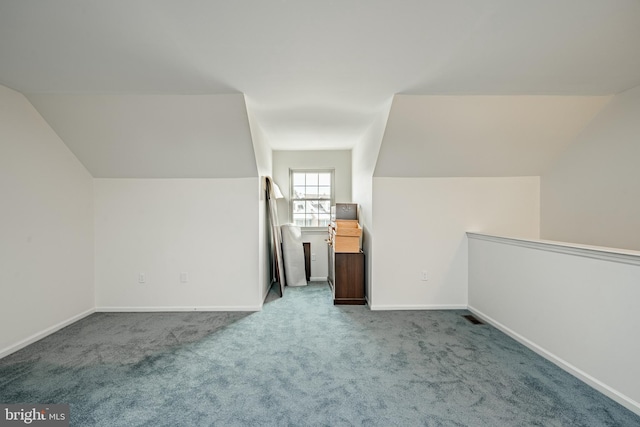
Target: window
x=311 y=197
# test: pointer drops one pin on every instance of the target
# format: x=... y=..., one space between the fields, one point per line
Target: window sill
x=314 y=230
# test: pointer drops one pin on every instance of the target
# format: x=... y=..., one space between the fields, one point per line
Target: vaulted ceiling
x=315 y=74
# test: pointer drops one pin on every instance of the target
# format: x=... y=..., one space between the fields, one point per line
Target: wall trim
x=178 y=308
x=596 y=252
x=603 y=388
x=44 y=333
x=420 y=307
x=317 y=279
x=313 y=230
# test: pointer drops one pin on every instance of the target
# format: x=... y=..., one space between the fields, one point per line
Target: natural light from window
x=311 y=197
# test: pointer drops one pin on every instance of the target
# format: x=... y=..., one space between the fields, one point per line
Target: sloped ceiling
x=446 y=136
x=154 y=136
x=317 y=74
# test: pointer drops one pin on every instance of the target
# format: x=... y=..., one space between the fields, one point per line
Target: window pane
x=298 y=179
x=324 y=179
x=298 y=207
x=324 y=207
x=324 y=192
x=299 y=192
x=298 y=219
x=323 y=220
x=312 y=206
x=312 y=220
x=312 y=192
x=312 y=179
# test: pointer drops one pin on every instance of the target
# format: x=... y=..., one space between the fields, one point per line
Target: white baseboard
x=176 y=309
x=44 y=333
x=603 y=388
x=420 y=307
x=317 y=279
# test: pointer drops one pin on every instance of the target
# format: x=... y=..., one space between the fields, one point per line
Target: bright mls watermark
x=34 y=415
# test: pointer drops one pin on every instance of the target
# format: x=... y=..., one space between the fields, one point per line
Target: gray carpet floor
x=301 y=361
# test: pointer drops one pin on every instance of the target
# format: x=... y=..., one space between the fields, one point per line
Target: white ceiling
x=317 y=73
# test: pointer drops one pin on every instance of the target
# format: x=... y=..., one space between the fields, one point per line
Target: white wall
x=154 y=136
x=591 y=195
x=341 y=162
x=363 y=159
x=284 y=160
x=577 y=308
x=46 y=228
x=480 y=135
x=162 y=227
x=264 y=163
x=420 y=224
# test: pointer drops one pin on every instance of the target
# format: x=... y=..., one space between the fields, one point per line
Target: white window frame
x=330 y=171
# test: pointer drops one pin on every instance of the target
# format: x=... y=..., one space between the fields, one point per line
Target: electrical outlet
x=424 y=276
x=184 y=277
x=142 y=278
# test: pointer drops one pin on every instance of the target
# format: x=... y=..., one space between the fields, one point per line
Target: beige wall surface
x=154 y=136
x=364 y=157
x=207 y=228
x=264 y=163
x=591 y=195
x=46 y=249
x=420 y=225
x=449 y=136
